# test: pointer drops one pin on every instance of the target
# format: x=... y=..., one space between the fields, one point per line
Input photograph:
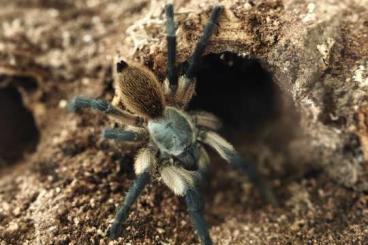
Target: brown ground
x=66 y=191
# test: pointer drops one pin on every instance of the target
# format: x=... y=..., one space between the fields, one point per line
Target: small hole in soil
x=240 y=92
x=18 y=130
x=28 y=83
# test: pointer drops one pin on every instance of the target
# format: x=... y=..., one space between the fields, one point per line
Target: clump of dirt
x=303 y=125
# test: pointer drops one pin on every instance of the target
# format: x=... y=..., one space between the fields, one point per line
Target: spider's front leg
x=184 y=183
x=123 y=211
x=195 y=205
x=227 y=152
x=143 y=164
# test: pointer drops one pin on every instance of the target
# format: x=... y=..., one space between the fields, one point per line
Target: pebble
x=13 y=227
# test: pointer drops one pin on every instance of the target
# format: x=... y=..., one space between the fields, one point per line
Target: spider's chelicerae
x=174 y=139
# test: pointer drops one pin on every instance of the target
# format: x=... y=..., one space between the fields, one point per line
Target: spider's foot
x=115 y=231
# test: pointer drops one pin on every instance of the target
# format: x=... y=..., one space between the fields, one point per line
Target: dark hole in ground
x=240 y=92
x=18 y=130
x=27 y=83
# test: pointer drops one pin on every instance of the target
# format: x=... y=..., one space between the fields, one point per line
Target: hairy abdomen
x=139 y=90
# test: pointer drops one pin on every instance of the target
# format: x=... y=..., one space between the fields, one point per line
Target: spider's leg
x=195 y=209
x=121 y=135
x=78 y=103
x=203 y=163
x=227 y=151
x=183 y=183
x=186 y=84
x=171 y=48
x=206 y=120
x=201 y=44
x=123 y=211
x=179 y=179
x=143 y=163
x=144 y=160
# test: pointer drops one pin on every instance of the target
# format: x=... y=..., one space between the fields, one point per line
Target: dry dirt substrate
x=289 y=79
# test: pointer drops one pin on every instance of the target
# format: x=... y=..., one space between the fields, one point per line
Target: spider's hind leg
x=186 y=84
x=171 y=80
x=203 y=164
x=122 y=135
x=227 y=152
x=206 y=120
x=201 y=44
x=79 y=102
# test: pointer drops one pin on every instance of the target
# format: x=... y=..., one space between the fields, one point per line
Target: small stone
x=63 y=103
x=13 y=227
x=16 y=211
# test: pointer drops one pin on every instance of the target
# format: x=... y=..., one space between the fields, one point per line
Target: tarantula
x=174 y=138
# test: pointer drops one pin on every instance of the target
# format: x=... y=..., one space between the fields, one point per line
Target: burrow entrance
x=18 y=131
x=239 y=91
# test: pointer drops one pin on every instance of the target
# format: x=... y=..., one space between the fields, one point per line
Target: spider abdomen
x=139 y=90
x=173 y=133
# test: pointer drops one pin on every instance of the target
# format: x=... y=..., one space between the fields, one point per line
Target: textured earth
x=288 y=78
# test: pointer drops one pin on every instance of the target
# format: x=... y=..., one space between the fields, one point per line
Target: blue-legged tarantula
x=174 y=138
